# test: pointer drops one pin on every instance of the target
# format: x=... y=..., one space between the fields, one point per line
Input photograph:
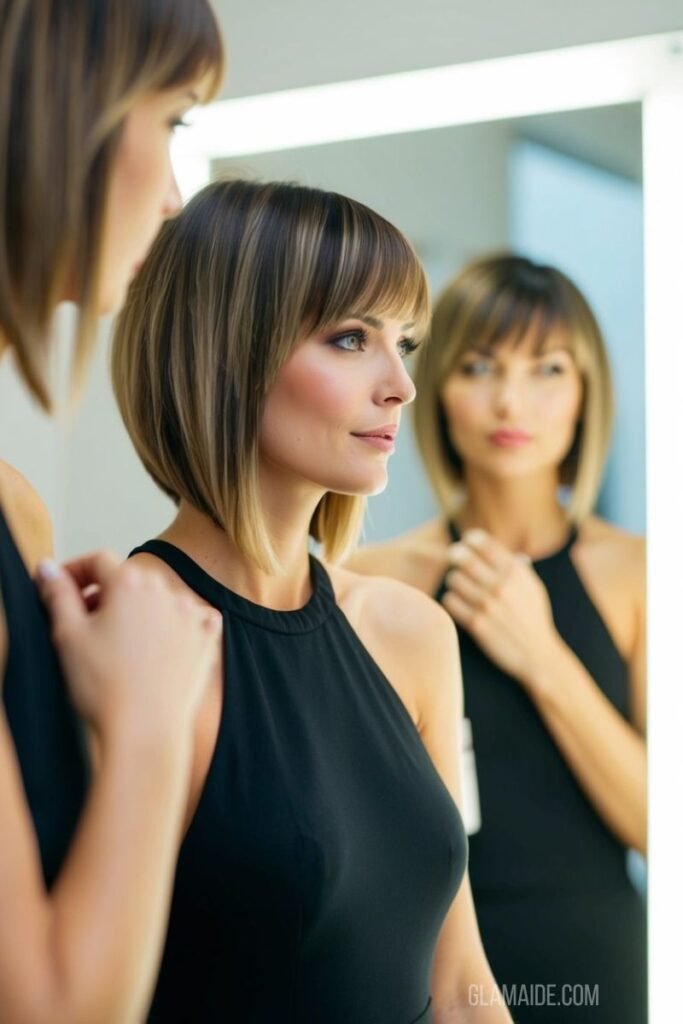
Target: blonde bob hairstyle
x=500 y=298
x=70 y=72
x=231 y=285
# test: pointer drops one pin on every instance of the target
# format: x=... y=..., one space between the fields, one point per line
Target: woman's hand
x=498 y=598
x=136 y=654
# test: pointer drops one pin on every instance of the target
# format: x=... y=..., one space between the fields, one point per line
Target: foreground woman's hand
x=498 y=598
x=134 y=652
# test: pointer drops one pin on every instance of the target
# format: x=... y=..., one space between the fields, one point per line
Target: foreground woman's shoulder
x=395 y=612
x=26 y=514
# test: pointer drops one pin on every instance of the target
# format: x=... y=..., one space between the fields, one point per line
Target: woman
x=258 y=366
x=89 y=95
x=514 y=402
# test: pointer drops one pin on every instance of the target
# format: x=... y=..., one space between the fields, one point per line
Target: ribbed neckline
x=299 y=620
x=571 y=538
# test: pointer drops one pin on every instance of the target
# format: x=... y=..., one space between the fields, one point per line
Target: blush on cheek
x=313 y=388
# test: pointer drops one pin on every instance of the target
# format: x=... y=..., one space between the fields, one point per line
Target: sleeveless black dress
x=325 y=850
x=46 y=731
x=554 y=903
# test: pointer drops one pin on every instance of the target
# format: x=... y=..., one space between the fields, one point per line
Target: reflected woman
x=259 y=368
x=513 y=402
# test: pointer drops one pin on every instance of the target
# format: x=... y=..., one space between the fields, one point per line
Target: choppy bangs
x=365 y=266
x=520 y=304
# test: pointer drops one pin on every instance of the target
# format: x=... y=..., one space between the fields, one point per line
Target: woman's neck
x=524 y=515
x=212 y=549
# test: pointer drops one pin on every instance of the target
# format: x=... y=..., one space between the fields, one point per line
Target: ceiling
x=280 y=44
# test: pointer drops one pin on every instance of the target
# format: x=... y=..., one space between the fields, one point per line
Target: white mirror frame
x=648 y=70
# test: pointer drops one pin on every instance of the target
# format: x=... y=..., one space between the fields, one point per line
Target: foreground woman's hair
x=495 y=299
x=60 y=123
x=229 y=288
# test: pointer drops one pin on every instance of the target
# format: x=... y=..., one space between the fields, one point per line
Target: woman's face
x=143 y=190
x=332 y=416
x=511 y=412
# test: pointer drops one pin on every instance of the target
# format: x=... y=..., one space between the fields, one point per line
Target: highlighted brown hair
x=70 y=71
x=230 y=286
x=500 y=298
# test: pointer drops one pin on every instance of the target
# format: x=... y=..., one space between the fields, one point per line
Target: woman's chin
x=361 y=487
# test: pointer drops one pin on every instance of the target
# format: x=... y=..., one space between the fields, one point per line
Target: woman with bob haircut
x=514 y=401
x=90 y=92
x=259 y=369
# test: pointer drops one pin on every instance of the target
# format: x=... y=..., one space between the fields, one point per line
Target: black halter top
x=554 y=903
x=45 y=729
x=325 y=850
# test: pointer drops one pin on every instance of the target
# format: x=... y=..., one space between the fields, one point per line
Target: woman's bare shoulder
x=409 y=635
x=417 y=557
x=611 y=562
x=612 y=550
x=27 y=515
x=396 y=612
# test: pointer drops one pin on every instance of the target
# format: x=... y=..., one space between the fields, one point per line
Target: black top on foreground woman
x=325 y=850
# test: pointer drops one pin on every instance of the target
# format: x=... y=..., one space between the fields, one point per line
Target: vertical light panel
x=192 y=168
x=663 y=189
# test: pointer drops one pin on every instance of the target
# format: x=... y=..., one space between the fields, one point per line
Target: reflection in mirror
x=513 y=421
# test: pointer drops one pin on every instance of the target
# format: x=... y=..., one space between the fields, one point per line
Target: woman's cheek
x=464 y=410
x=320 y=390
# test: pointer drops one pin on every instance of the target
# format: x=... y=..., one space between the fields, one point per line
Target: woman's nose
x=508 y=394
x=174 y=200
x=399 y=387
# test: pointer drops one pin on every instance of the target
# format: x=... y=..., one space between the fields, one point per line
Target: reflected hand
x=502 y=603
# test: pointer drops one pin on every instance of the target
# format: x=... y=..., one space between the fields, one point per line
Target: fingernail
x=48 y=570
x=457 y=552
x=474 y=537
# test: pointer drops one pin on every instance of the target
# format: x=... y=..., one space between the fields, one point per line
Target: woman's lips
x=385 y=444
x=383 y=437
x=509 y=438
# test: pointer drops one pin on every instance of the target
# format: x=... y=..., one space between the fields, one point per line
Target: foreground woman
x=259 y=368
x=514 y=402
x=89 y=95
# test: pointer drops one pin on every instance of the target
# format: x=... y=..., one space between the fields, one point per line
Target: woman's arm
x=607 y=754
x=464 y=990
x=88 y=950
x=414 y=642
x=503 y=604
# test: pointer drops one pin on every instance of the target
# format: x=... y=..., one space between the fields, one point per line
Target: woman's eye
x=353 y=341
x=407 y=346
x=178 y=122
x=475 y=369
x=551 y=370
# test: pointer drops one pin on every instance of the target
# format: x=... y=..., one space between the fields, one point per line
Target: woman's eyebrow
x=372 y=321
